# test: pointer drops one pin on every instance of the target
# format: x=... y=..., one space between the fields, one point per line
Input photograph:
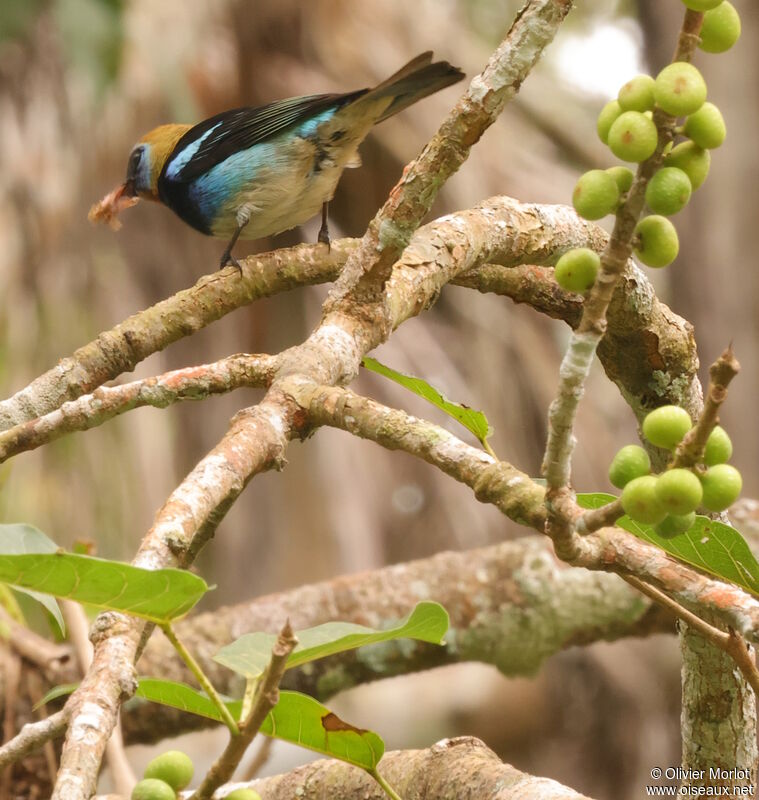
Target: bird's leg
x=324 y=230
x=227 y=257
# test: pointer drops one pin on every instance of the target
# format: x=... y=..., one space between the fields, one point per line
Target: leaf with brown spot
x=332 y=722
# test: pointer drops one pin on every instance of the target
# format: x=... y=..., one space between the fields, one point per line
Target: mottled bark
x=454 y=769
x=512 y=605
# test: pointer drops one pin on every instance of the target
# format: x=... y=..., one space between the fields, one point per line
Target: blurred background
x=82 y=80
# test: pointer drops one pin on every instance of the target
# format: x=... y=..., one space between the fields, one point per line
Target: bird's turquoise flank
x=267 y=180
x=310 y=127
x=254 y=172
x=266 y=176
x=217 y=193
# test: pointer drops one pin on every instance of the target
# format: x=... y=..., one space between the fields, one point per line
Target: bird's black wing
x=241 y=128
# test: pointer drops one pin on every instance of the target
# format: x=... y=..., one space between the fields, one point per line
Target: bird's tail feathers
x=417 y=79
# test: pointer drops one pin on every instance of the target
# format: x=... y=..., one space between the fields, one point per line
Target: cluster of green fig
x=627 y=127
x=171 y=772
x=669 y=501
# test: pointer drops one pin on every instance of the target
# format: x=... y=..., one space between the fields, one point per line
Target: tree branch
x=644 y=336
x=266 y=697
x=189 y=517
x=391 y=229
x=449 y=770
x=120 y=349
x=609 y=549
x=32 y=736
x=105 y=403
x=691 y=450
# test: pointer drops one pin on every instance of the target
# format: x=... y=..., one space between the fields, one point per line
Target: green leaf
x=474 y=421
x=57 y=691
x=250 y=654
x=709 y=545
x=300 y=719
x=20 y=539
x=185 y=698
x=157 y=595
x=297 y=718
x=593 y=500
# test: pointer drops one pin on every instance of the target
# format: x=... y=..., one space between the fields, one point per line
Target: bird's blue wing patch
x=214 y=140
x=179 y=159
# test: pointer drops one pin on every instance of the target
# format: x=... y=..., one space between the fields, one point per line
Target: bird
x=253 y=172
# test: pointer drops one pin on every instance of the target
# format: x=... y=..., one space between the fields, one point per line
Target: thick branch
x=450 y=770
x=648 y=351
x=645 y=338
x=186 y=521
x=609 y=549
x=123 y=347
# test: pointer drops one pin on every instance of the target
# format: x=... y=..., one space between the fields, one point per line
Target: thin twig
x=105 y=403
x=32 y=736
x=691 y=450
x=583 y=342
x=267 y=696
x=732 y=643
x=739 y=650
x=597 y=518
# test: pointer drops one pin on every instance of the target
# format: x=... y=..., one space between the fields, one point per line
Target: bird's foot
x=323 y=237
x=228 y=259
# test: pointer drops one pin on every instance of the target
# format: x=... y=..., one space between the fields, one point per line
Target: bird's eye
x=134 y=160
